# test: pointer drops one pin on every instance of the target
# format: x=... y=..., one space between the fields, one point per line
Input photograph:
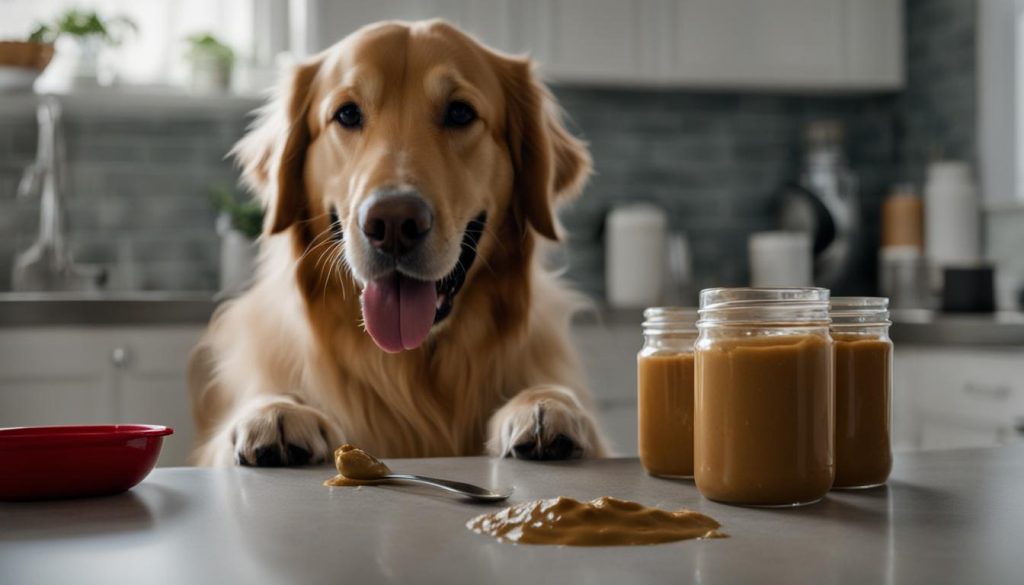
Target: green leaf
x=246 y=215
x=207 y=46
x=84 y=24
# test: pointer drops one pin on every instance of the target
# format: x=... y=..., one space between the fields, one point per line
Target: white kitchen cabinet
x=493 y=21
x=99 y=375
x=715 y=44
x=739 y=42
x=906 y=434
x=60 y=376
x=873 y=43
x=600 y=41
x=958 y=396
x=152 y=385
x=608 y=352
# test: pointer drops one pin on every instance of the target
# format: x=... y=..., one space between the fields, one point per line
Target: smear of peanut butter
x=356 y=467
x=605 y=521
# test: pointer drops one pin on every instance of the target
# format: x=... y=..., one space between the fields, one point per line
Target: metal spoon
x=464 y=489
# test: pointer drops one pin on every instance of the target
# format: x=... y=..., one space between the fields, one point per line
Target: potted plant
x=211 y=62
x=239 y=224
x=91 y=34
x=21 y=62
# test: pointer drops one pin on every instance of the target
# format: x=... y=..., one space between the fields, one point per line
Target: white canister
x=238 y=258
x=780 y=259
x=635 y=255
x=951 y=210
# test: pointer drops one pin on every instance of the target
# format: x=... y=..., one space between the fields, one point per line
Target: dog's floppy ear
x=549 y=163
x=273 y=153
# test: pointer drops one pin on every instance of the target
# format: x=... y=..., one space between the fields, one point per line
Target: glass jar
x=860 y=330
x=664 y=389
x=763 y=426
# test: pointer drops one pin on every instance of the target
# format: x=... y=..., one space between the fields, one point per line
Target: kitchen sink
x=27 y=309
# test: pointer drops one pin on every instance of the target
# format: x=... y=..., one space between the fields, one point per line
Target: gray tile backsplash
x=939 y=105
x=137 y=193
x=714 y=162
x=138 y=184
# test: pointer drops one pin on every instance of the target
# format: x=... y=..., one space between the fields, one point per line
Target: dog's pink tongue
x=399 y=311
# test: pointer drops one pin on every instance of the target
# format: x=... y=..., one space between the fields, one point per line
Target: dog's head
x=404 y=142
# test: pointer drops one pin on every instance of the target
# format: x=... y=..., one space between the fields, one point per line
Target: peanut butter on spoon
x=356 y=467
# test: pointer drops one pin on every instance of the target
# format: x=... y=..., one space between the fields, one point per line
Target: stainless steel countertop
x=946 y=517
x=911 y=327
x=917 y=327
x=107 y=309
x=922 y=327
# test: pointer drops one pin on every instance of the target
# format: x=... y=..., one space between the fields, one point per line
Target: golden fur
x=288 y=362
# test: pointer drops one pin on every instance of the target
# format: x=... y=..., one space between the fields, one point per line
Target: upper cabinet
x=763 y=42
x=598 y=41
x=852 y=45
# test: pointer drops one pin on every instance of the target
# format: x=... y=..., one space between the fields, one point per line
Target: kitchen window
x=154 y=54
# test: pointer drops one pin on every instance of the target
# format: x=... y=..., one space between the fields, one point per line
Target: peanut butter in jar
x=665 y=392
x=763 y=424
x=860 y=328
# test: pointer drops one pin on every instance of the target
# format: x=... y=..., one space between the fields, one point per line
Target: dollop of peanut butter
x=356 y=467
x=605 y=521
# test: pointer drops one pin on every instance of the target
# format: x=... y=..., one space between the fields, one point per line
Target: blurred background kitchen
x=870 y=146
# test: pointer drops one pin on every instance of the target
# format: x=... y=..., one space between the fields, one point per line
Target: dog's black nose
x=396 y=223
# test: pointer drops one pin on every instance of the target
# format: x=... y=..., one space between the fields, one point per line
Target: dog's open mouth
x=399 y=311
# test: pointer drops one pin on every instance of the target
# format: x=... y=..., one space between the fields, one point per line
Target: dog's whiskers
x=497 y=241
x=475 y=250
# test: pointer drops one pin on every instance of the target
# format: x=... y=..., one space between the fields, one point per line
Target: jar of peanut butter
x=664 y=389
x=763 y=407
x=860 y=330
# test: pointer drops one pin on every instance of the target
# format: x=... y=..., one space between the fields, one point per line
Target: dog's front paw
x=543 y=423
x=280 y=433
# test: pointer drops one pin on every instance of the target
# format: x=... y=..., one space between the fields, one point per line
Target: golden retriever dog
x=409 y=177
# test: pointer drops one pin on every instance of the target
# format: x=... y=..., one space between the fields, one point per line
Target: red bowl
x=42 y=463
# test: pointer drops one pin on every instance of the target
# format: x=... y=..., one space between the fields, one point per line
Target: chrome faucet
x=47 y=264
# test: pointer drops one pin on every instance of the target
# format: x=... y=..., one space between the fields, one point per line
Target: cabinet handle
x=119 y=357
x=989 y=391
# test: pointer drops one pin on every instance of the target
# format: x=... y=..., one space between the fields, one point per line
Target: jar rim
x=711 y=298
x=860 y=302
x=859 y=311
x=670 y=319
x=764 y=305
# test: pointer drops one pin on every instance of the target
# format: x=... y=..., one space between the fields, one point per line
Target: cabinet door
x=152 y=385
x=906 y=432
x=763 y=43
x=619 y=422
x=873 y=32
x=967 y=397
x=497 y=23
x=599 y=40
x=338 y=19
x=490 y=21
x=608 y=353
x=55 y=376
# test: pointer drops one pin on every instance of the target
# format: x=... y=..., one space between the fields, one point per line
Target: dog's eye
x=349 y=116
x=459 y=114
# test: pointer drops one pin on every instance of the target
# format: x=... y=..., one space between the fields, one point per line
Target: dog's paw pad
x=297 y=455
x=523 y=450
x=543 y=423
x=265 y=456
x=279 y=435
x=560 y=447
